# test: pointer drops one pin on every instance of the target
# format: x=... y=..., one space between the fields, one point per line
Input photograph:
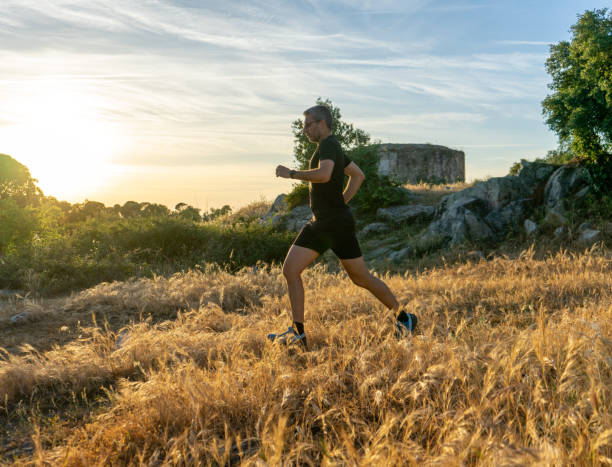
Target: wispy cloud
x=199 y=83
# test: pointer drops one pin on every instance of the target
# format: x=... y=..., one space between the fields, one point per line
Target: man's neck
x=324 y=136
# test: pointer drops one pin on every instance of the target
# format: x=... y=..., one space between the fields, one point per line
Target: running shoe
x=290 y=336
x=405 y=323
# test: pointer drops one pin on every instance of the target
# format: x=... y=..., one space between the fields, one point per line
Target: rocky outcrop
x=274 y=216
x=490 y=210
x=298 y=217
x=566 y=181
x=398 y=214
x=279 y=216
x=412 y=163
x=375 y=228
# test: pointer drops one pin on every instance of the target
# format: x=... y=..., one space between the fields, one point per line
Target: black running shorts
x=336 y=232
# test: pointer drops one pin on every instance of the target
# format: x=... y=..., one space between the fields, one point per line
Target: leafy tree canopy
x=16 y=183
x=580 y=108
x=348 y=136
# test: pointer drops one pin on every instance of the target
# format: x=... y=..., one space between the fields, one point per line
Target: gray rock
x=555 y=218
x=564 y=182
x=298 y=217
x=399 y=256
x=459 y=219
x=559 y=231
x=6 y=293
x=508 y=218
x=20 y=318
x=531 y=228
x=375 y=227
x=535 y=172
x=397 y=214
x=589 y=236
x=274 y=216
x=279 y=204
x=583 y=192
x=380 y=252
x=587 y=225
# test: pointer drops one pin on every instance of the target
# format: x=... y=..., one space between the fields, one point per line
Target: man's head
x=317 y=123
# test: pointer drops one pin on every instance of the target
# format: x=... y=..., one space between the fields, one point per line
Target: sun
x=59 y=133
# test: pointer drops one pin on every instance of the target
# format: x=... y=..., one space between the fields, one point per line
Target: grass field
x=512 y=365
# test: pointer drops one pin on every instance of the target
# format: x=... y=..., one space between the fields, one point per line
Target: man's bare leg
x=359 y=274
x=298 y=258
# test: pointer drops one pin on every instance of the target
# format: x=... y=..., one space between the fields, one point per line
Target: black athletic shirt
x=326 y=198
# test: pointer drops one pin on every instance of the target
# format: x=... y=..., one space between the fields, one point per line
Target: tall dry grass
x=512 y=366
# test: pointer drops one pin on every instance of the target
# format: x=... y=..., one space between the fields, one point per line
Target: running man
x=332 y=225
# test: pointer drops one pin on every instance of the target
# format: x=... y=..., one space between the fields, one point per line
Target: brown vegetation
x=511 y=366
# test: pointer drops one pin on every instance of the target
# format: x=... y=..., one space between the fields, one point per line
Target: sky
x=192 y=101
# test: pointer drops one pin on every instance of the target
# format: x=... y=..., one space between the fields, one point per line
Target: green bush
x=298 y=195
x=17 y=224
x=99 y=250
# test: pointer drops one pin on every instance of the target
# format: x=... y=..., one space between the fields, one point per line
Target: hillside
x=511 y=365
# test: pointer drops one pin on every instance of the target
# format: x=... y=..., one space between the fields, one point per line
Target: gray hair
x=320 y=112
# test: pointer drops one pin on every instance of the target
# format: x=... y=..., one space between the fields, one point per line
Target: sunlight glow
x=58 y=133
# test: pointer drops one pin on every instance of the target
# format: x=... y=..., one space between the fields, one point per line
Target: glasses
x=307 y=124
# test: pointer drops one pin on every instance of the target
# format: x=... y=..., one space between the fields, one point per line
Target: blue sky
x=169 y=101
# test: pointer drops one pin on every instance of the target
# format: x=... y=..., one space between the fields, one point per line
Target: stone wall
x=412 y=163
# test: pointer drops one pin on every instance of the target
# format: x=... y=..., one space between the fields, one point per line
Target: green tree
x=130 y=209
x=17 y=224
x=16 y=183
x=580 y=108
x=155 y=210
x=348 y=136
x=187 y=211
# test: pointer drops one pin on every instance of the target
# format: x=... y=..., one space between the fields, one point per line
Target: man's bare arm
x=321 y=174
x=356 y=177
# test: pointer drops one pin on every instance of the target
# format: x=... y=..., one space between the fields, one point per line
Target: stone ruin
x=414 y=163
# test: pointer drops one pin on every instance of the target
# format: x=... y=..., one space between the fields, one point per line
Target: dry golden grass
x=512 y=366
x=429 y=193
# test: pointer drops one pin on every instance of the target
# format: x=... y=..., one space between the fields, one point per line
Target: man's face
x=312 y=129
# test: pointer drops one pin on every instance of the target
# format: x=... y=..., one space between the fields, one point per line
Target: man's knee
x=361 y=280
x=291 y=273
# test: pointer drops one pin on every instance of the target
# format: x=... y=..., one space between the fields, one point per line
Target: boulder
x=489 y=210
x=559 y=231
x=20 y=318
x=555 y=218
x=531 y=228
x=399 y=256
x=565 y=181
x=274 y=216
x=7 y=293
x=533 y=173
x=461 y=221
x=298 y=217
x=583 y=192
x=380 y=252
x=375 y=227
x=397 y=214
x=508 y=218
x=586 y=225
x=589 y=236
x=279 y=204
